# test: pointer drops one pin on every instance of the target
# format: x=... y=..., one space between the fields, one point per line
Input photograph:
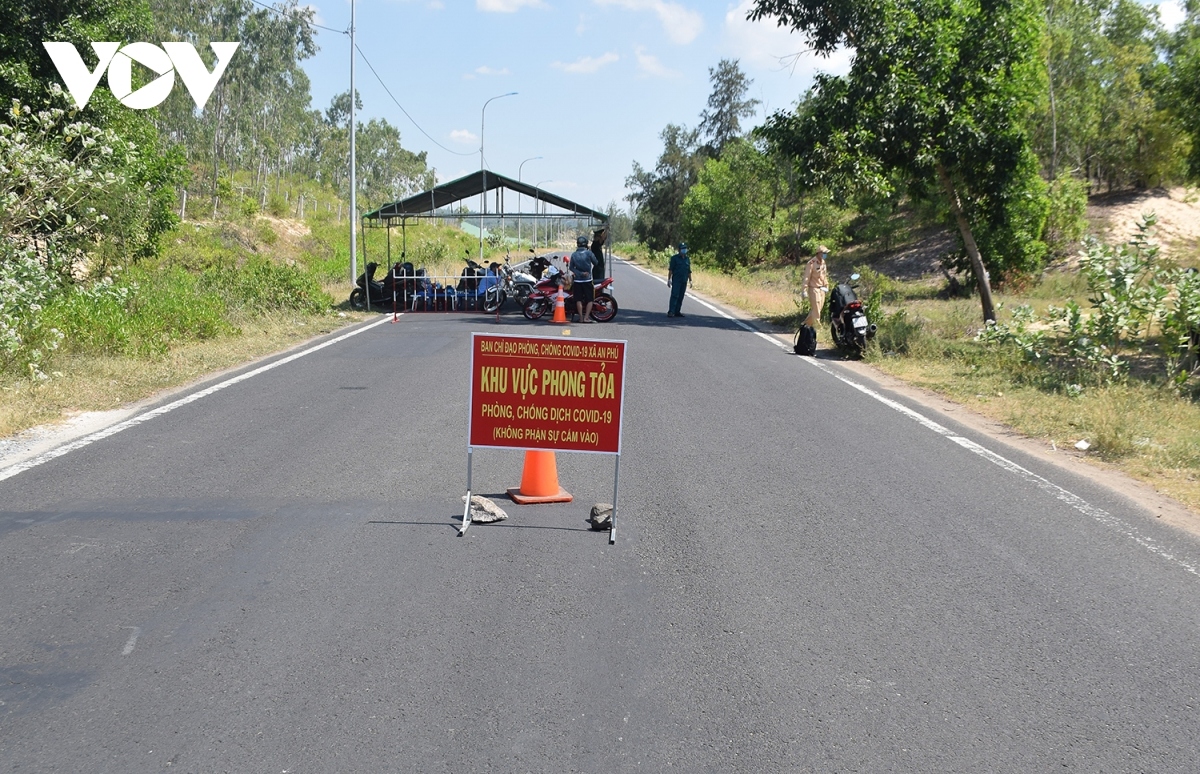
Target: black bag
x=806 y=341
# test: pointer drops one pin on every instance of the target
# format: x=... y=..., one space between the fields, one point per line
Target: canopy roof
x=474 y=184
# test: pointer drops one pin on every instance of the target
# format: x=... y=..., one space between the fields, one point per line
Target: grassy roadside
x=98 y=382
x=222 y=293
x=1141 y=427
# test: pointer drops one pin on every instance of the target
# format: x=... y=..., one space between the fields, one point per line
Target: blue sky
x=597 y=80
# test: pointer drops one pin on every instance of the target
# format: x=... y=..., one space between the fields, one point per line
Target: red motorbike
x=541 y=300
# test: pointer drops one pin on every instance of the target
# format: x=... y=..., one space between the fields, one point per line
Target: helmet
x=581 y=240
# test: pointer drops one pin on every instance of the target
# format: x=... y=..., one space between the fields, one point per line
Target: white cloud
x=1172 y=14
x=506 y=6
x=588 y=64
x=485 y=70
x=464 y=136
x=769 y=46
x=681 y=24
x=649 y=64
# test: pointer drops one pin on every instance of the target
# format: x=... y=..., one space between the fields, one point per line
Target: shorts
x=584 y=292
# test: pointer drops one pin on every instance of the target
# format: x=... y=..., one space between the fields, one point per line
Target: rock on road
x=267 y=578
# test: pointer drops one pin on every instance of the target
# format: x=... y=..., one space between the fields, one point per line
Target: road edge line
x=111 y=430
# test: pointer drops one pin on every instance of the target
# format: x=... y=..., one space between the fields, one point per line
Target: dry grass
x=768 y=297
x=1142 y=429
x=98 y=383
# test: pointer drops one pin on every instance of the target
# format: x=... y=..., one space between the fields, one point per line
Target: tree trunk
x=964 y=228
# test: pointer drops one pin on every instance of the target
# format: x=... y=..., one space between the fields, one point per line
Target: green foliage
x=1183 y=85
x=1102 y=117
x=878 y=221
x=1130 y=295
x=26 y=340
x=1181 y=330
x=938 y=93
x=727 y=215
x=1066 y=221
x=1009 y=223
x=720 y=122
x=261 y=285
x=898 y=333
x=657 y=197
x=26 y=71
x=277 y=205
x=822 y=221
x=140 y=316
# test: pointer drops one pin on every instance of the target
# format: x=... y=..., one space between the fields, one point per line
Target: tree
x=939 y=91
x=727 y=215
x=1104 y=117
x=257 y=117
x=1184 y=84
x=720 y=122
x=657 y=196
x=386 y=171
x=136 y=209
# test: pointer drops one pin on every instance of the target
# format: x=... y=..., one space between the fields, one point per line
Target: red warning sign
x=532 y=392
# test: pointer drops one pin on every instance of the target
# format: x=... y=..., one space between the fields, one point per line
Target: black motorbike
x=849 y=327
x=393 y=290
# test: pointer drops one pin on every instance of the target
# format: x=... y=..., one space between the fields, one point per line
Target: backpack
x=806 y=341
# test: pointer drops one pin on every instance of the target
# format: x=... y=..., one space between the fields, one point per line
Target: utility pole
x=353 y=164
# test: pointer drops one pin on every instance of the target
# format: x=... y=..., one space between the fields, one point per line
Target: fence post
x=183 y=207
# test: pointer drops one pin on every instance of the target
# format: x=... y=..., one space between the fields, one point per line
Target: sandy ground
x=1116 y=216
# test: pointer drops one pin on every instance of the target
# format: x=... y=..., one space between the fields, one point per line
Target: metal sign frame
x=556 y=350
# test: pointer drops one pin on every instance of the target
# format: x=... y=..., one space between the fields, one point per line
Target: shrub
x=261 y=285
x=1066 y=221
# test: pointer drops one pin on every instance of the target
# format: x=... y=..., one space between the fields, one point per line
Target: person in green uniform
x=679 y=273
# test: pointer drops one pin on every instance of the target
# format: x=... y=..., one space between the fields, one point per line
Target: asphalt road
x=806 y=578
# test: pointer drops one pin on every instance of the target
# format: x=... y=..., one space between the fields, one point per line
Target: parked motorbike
x=513 y=283
x=537 y=265
x=849 y=327
x=604 y=306
x=392 y=290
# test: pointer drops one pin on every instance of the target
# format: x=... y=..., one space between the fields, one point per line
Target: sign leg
x=466 y=521
x=612 y=520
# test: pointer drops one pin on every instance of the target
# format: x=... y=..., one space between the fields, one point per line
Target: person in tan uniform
x=816 y=285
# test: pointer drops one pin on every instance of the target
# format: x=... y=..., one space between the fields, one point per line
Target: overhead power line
x=381 y=83
x=405 y=112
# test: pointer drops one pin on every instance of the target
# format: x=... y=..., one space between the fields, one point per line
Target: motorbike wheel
x=604 y=308
x=860 y=345
x=493 y=301
x=536 y=307
x=358 y=299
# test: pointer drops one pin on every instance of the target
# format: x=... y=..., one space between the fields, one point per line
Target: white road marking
x=87 y=440
x=1071 y=499
x=132 y=639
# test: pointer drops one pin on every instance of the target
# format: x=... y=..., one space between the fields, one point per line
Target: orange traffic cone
x=560 y=307
x=539 y=481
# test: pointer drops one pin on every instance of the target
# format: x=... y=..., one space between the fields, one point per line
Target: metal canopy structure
x=427 y=203
x=436 y=204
